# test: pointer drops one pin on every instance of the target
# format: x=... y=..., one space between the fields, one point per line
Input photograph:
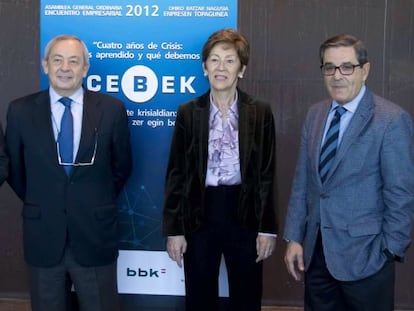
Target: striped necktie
x=329 y=147
x=65 y=138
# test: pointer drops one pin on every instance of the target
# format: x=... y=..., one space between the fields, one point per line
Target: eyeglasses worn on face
x=91 y=162
x=344 y=69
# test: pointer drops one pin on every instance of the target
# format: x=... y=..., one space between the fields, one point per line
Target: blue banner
x=148 y=54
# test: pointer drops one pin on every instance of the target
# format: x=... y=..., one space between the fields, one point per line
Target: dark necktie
x=329 y=147
x=65 y=137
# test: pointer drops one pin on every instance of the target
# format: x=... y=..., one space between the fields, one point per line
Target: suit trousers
x=325 y=293
x=96 y=287
x=222 y=235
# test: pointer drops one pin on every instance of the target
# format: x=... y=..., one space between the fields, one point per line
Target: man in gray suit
x=352 y=201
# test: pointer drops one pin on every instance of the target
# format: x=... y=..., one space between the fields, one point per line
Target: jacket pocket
x=366 y=228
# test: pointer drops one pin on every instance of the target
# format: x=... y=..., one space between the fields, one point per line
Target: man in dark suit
x=69 y=200
x=349 y=221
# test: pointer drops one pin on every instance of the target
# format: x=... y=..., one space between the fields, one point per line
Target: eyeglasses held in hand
x=344 y=69
x=91 y=162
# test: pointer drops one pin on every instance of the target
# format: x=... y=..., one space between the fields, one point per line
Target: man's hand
x=294 y=260
x=176 y=247
x=264 y=246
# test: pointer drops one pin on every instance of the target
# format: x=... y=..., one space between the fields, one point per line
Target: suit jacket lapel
x=90 y=122
x=359 y=121
x=201 y=114
x=42 y=120
x=247 y=117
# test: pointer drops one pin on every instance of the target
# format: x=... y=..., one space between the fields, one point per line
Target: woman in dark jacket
x=220 y=183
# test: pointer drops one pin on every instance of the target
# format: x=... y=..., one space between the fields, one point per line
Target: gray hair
x=60 y=38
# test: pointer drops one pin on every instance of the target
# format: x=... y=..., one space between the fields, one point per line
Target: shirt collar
x=76 y=97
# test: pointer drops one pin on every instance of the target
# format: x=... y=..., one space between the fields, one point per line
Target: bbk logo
x=143 y=273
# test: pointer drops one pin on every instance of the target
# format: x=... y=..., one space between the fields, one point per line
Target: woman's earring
x=205 y=74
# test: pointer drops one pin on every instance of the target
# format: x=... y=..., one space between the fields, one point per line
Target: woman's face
x=223 y=68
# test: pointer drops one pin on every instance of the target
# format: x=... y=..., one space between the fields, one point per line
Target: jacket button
x=324 y=196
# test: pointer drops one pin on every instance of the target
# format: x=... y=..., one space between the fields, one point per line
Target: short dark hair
x=229 y=36
x=345 y=40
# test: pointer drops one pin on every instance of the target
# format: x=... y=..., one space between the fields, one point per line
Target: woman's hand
x=176 y=247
